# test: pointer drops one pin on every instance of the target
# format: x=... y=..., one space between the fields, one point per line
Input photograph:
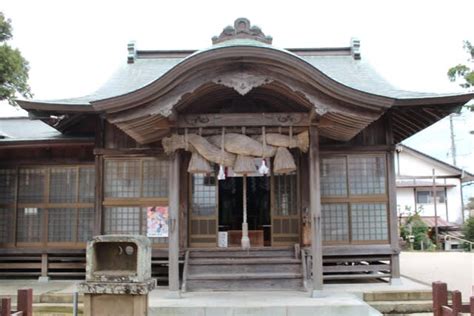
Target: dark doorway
x=258 y=207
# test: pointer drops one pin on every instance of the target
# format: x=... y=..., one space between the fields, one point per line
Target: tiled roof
x=354 y=73
x=22 y=129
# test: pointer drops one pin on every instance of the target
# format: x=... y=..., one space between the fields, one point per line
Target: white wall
x=409 y=165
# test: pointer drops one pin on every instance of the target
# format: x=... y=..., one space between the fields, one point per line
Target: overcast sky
x=74 y=46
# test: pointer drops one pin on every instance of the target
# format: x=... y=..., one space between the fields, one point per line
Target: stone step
x=194 y=269
x=402 y=307
x=420 y=295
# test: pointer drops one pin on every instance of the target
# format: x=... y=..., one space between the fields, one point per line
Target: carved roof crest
x=242 y=29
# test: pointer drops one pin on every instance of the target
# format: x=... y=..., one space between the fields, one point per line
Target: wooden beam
x=315 y=210
x=128 y=151
x=244 y=119
x=173 y=238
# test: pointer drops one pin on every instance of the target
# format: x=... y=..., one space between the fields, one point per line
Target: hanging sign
x=157 y=221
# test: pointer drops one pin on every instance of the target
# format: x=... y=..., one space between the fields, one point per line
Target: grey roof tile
x=356 y=74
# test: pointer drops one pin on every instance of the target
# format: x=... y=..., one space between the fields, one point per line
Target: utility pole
x=453 y=143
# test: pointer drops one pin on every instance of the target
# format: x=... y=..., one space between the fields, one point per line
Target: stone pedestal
x=118 y=276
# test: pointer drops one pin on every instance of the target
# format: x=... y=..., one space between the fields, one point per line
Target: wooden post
x=440 y=297
x=25 y=301
x=392 y=205
x=471 y=307
x=456 y=298
x=315 y=211
x=6 y=306
x=173 y=238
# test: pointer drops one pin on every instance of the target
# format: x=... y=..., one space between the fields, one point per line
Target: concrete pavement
x=454 y=268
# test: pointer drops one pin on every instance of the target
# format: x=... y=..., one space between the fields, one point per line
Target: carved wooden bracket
x=242 y=82
x=242 y=29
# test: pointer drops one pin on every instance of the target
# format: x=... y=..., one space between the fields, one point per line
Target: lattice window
x=32 y=185
x=366 y=175
x=335 y=222
x=122 y=178
x=85 y=225
x=204 y=195
x=63 y=185
x=61 y=224
x=7 y=185
x=155 y=178
x=86 y=184
x=122 y=220
x=285 y=194
x=369 y=221
x=6 y=225
x=333 y=176
x=30 y=224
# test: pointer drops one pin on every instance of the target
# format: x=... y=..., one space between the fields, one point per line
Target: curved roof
x=342 y=89
x=344 y=69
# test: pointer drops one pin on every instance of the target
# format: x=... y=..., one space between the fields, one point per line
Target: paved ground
x=454 y=268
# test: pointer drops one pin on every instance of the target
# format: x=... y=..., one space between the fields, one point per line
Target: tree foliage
x=468 y=229
x=13 y=67
x=462 y=72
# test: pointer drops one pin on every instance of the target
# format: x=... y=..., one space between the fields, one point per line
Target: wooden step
x=244 y=268
x=242 y=254
x=350 y=276
x=246 y=284
x=244 y=276
x=226 y=261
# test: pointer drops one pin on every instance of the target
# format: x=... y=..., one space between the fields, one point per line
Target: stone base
x=43 y=279
x=396 y=281
x=115 y=305
x=140 y=288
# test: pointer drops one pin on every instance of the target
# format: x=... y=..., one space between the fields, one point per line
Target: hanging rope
x=186 y=139
x=221 y=174
x=222 y=145
x=263 y=167
x=291 y=138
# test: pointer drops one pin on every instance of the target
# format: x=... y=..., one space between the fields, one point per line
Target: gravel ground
x=454 y=268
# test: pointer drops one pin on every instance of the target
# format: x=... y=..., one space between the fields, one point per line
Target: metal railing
x=447 y=237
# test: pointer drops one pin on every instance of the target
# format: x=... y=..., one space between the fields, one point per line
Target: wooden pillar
x=99 y=177
x=315 y=211
x=393 y=217
x=173 y=237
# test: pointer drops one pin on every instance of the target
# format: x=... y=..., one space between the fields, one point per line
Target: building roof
x=149 y=66
x=430 y=221
x=22 y=130
x=463 y=174
x=335 y=83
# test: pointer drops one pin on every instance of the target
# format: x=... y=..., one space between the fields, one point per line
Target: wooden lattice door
x=285 y=210
x=203 y=210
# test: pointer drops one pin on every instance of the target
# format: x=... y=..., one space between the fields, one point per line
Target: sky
x=74 y=46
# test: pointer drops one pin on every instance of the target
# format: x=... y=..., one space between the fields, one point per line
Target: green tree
x=468 y=229
x=464 y=72
x=13 y=67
